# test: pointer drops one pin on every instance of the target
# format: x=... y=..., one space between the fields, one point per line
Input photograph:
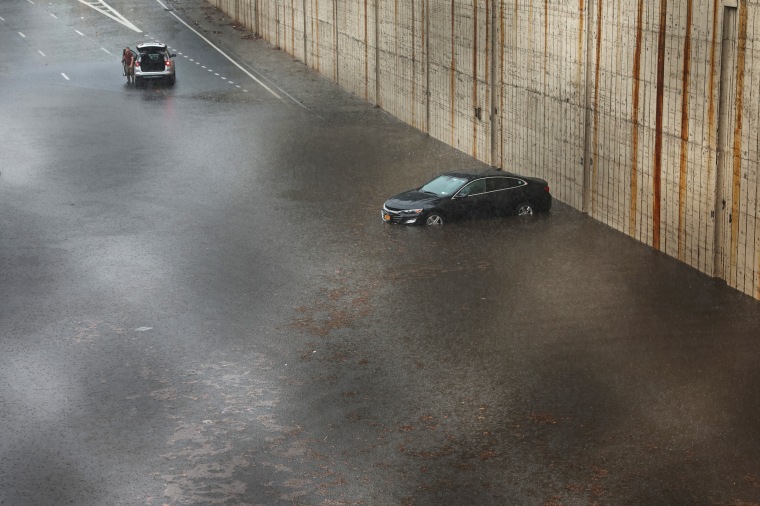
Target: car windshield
x=444 y=185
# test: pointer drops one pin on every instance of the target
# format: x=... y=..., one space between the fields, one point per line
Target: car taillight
x=546 y=189
x=137 y=63
x=168 y=63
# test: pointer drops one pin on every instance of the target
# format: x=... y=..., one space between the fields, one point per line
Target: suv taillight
x=168 y=63
x=137 y=63
x=546 y=189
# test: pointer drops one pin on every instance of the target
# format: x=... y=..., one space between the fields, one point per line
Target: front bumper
x=399 y=217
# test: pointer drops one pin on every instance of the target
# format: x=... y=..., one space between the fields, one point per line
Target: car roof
x=146 y=45
x=471 y=174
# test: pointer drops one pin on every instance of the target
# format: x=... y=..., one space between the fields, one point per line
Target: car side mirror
x=173 y=55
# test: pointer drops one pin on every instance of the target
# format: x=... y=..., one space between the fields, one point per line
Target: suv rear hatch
x=152 y=60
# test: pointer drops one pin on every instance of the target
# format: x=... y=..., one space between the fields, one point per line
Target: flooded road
x=199 y=303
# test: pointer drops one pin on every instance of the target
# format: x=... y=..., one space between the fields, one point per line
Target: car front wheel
x=525 y=209
x=434 y=219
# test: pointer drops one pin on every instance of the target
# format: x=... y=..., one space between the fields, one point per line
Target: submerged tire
x=525 y=209
x=434 y=220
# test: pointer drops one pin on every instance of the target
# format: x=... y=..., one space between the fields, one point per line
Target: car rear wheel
x=434 y=220
x=525 y=209
x=172 y=80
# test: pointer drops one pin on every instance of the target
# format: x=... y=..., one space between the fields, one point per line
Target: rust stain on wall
x=452 y=78
x=597 y=72
x=414 y=67
x=316 y=31
x=292 y=27
x=635 y=124
x=657 y=176
x=487 y=60
x=684 y=132
x=500 y=113
x=475 y=76
x=546 y=40
x=711 y=127
x=366 y=53
x=741 y=57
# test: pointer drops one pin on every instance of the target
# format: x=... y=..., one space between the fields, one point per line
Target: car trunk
x=152 y=62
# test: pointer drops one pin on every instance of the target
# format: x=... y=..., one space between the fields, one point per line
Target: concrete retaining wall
x=642 y=113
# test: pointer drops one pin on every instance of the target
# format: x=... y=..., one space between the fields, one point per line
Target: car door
x=471 y=200
x=506 y=193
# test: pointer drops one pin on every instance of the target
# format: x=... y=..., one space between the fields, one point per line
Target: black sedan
x=457 y=195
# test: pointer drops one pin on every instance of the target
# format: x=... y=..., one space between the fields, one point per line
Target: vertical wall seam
x=657 y=176
x=738 y=127
x=682 y=187
x=597 y=75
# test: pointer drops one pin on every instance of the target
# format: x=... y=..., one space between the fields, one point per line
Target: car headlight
x=412 y=211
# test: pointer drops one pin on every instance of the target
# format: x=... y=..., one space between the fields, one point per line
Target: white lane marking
x=216 y=73
x=65 y=76
x=30 y=1
x=179 y=53
x=221 y=52
x=56 y=17
x=80 y=33
x=237 y=86
x=143 y=329
x=203 y=66
x=102 y=7
x=210 y=70
x=22 y=35
x=43 y=54
x=106 y=50
x=2 y=18
x=197 y=63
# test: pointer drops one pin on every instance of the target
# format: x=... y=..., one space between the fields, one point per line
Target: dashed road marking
x=43 y=54
x=80 y=33
x=258 y=81
x=65 y=76
x=106 y=50
x=22 y=35
x=56 y=17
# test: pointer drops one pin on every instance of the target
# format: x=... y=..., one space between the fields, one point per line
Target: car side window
x=503 y=183
x=476 y=187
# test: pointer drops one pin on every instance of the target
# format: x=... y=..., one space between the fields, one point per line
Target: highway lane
x=80 y=44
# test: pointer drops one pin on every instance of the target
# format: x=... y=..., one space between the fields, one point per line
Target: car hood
x=412 y=199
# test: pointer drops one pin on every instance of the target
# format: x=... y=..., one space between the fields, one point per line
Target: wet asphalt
x=199 y=303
